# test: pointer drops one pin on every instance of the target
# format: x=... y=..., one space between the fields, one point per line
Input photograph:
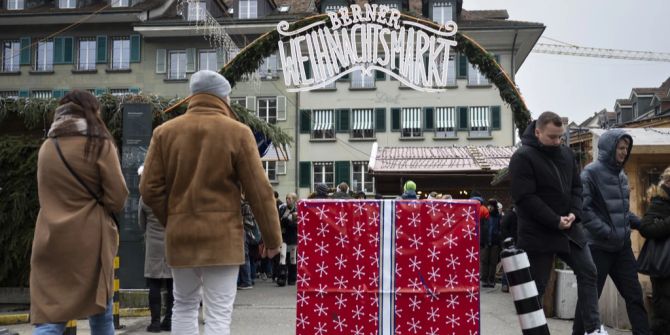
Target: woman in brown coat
x=75 y=237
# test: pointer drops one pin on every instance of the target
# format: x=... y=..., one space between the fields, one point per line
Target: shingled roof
x=441 y=159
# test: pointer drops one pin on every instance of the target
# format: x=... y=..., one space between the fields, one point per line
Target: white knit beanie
x=206 y=81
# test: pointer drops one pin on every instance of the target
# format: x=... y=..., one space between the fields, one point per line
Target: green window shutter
x=134 y=90
x=135 y=48
x=308 y=69
x=462 y=66
x=25 y=51
x=380 y=75
x=190 y=60
x=305 y=172
x=161 y=61
x=68 y=50
x=395 y=119
x=24 y=93
x=100 y=91
x=305 y=121
x=342 y=172
x=462 y=118
x=101 y=52
x=342 y=121
x=428 y=118
x=58 y=50
x=57 y=94
x=380 y=119
x=495 y=117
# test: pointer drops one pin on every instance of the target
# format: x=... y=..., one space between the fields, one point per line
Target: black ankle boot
x=281 y=277
x=155 y=326
x=292 y=273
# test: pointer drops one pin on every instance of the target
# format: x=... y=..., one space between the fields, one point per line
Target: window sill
x=366 y=139
x=85 y=71
x=479 y=86
x=362 y=88
x=480 y=138
x=323 y=140
x=168 y=80
x=451 y=87
x=274 y=182
x=269 y=78
x=412 y=138
x=13 y=73
x=39 y=73
x=445 y=138
x=118 y=70
x=329 y=89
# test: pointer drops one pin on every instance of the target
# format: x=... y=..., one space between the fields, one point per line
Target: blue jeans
x=101 y=324
x=244 y=277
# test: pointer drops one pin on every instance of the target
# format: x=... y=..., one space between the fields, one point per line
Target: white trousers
x=216 y=287
x=291 y=249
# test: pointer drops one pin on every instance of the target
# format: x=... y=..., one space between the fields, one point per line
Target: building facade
x=151 y=47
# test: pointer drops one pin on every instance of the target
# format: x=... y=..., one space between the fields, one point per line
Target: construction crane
x=575 y=50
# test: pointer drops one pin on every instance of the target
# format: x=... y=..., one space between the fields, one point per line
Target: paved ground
x=271 y=310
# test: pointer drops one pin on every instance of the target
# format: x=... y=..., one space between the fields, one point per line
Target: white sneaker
x=600 y=331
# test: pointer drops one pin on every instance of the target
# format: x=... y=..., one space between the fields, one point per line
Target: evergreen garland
x=251 y=57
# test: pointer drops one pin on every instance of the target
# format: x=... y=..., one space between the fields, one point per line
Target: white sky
x=577 y=87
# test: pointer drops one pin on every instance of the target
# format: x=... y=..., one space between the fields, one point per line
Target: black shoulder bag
x=81 y=181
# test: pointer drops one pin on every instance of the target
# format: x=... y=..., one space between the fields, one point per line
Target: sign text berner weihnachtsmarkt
x=371 y=38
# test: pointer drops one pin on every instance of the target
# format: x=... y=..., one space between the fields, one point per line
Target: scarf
x=69 y=120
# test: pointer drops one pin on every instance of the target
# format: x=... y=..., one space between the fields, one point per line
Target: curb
x=12 y=319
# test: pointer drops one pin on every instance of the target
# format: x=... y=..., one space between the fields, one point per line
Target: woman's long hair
x=657 y=190
x=96 y=132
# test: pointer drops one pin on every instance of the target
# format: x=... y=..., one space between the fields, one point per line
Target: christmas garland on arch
x=251 y=57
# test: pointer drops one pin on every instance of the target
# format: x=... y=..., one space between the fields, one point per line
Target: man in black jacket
x=547 y=193
x=608 y=221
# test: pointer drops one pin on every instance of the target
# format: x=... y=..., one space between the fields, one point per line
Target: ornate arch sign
x=371 y=38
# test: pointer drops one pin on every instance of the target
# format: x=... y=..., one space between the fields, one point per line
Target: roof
x=642 y=137
x=441 y=159
x=496 y=14
x=51 y=8
x=623 y=102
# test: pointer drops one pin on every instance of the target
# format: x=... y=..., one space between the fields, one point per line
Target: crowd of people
x=205 y=238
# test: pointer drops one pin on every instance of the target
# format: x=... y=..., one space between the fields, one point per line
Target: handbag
x=654 y=258
x=81 y=181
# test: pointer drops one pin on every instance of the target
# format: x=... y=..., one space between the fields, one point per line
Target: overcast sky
x=577 y=87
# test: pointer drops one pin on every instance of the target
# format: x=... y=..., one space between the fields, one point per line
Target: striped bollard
x=522 y=286
x=115 y=298
x=70 y=328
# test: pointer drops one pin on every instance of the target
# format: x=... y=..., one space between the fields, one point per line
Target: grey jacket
x=606 y=213
x=155 y=265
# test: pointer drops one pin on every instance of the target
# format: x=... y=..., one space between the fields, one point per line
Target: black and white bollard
x=522 y=286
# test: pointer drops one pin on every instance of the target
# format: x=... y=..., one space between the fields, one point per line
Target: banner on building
x=388 y=267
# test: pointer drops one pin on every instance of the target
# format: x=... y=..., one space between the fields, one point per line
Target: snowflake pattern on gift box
x=436 y=285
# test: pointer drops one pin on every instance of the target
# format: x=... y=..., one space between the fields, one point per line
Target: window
x=411 y=122
x=360 y=80
x=64 y=4
x=269 y=67
x=87 y=50
x=270 y=170
x=322 y=124
x=267 y=109
x=44 y=57
x=177 y=65
x=480 y=122
x=197 y=11
x=120 y=3
x=451 y=75
x=120 y=53
x=442 y=12
x=248 y=9
x=240 y=101
x=392 y=5
x=11 y=50
x=41 y=94
x=15 y=4
x=362 y=180
x=323 y=173
x=363 y=123
x=476 y=78
x=9 y=94
x=445 y=122
x=333 y=8
x=207 y=60
x=118 y=92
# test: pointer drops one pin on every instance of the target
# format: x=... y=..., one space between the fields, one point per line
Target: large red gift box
x=388 y=267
